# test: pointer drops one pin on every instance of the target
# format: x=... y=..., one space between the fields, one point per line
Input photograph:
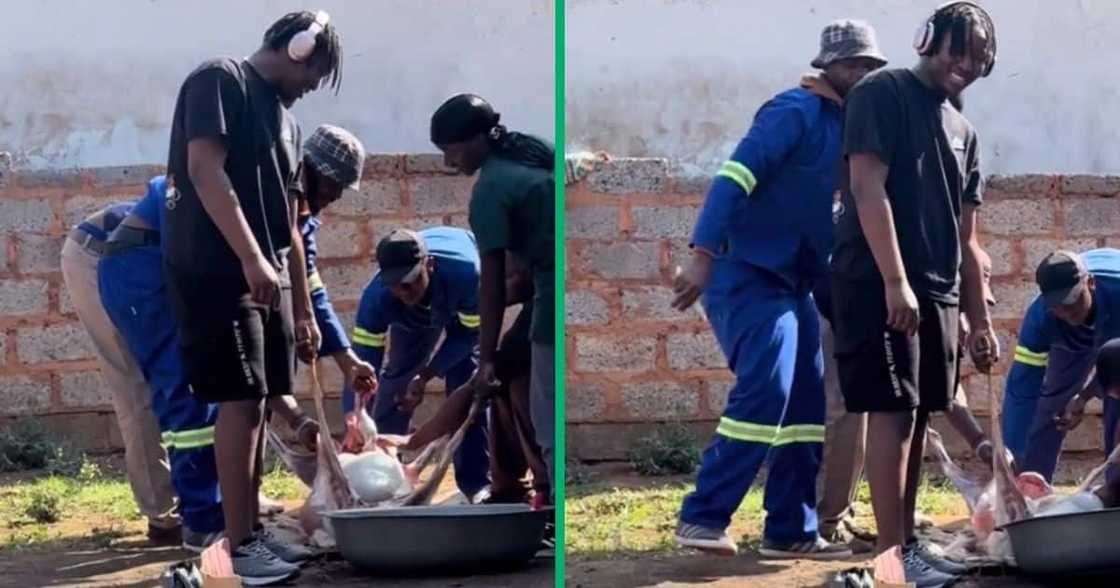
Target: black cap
x=400 y=256
x=1061 y=277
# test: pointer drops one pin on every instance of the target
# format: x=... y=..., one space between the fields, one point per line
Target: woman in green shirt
x=512 y=210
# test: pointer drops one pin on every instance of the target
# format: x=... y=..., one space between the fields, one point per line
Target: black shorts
x=233 y=349
x=882 y=370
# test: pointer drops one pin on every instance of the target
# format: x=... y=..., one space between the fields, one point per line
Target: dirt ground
x=686 y=568
x=744 y=570
x=129 y=563
x=683 y=568
x=117 y=554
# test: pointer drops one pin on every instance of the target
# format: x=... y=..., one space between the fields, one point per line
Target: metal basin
x=439 y=538
x=1071 y=543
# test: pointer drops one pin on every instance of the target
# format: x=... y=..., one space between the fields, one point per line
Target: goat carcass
x=363 y=473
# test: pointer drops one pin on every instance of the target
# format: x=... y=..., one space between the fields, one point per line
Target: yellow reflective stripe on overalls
x=1027 y=357
x=769 y=434
x=741 y=431
x=470 y=321
x=314 y=282
x=364 y=337
x=800 y=434
x=189 y=439
x=740 y=174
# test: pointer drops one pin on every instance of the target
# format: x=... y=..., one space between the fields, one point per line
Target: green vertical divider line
x=559 y=173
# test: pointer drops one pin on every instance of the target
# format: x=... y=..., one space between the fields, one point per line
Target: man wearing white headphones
x=232 y=252
x=906 y=261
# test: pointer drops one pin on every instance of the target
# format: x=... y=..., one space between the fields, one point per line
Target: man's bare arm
x=869 y=189
x=206 y=158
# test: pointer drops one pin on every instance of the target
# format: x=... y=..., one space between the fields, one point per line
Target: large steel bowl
x=1084 y=542
x=439 y=538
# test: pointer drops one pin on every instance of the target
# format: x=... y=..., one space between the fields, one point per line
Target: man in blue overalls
x=145 y=460
x=426 y=286
x=1082 y=293
x=134 y=295
x=760 y=245
x=1049 y=367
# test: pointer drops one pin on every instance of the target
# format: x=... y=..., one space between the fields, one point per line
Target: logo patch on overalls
x=837 y=206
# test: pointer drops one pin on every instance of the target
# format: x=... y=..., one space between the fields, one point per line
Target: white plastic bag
x=374 y=474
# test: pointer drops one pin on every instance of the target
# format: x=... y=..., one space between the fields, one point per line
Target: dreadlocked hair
x=958 y=20
x=328 y=45
x=522 y=148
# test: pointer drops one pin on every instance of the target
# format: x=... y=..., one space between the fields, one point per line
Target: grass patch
x=54 y=499
x=111 y=496
x=88 y=509
x=43 y=502
x=604 y=522
x=280 y=483
x=668 y=451
x=577 y=473
x=937 y=496
x=27 y=445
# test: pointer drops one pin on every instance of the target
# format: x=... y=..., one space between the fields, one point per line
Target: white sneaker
x=705 y=539
x=258 y=566
x=817 y=548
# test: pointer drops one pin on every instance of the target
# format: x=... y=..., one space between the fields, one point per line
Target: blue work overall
x=132 y=290
x=770 y=335
x=768 y=218
x=412 y=334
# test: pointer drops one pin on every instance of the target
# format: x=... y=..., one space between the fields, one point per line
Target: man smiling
x=907 y=260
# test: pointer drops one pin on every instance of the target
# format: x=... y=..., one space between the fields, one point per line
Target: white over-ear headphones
x=302 y=44
x=923 y=39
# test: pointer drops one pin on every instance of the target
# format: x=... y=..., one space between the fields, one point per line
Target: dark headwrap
x=466 y=116
x=462 y=118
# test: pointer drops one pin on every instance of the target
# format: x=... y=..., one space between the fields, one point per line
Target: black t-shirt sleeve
x=212 y=100
x=973 y=182
x=872 y=118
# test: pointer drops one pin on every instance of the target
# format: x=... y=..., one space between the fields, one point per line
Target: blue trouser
x=409 y=351
x=1016 y=416
x=1066 y=373
x=133 y=293
x=775 y=411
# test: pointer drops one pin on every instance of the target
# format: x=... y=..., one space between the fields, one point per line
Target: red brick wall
x=634 y=363
x=47 y=365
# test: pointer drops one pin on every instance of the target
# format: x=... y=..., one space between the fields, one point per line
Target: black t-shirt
x=229 y=100
x=933 y=155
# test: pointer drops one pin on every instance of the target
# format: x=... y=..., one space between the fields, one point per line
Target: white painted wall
x=683 y=78
x=87 y=83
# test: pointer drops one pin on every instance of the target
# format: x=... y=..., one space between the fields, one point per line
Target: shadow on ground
x=747 y=571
